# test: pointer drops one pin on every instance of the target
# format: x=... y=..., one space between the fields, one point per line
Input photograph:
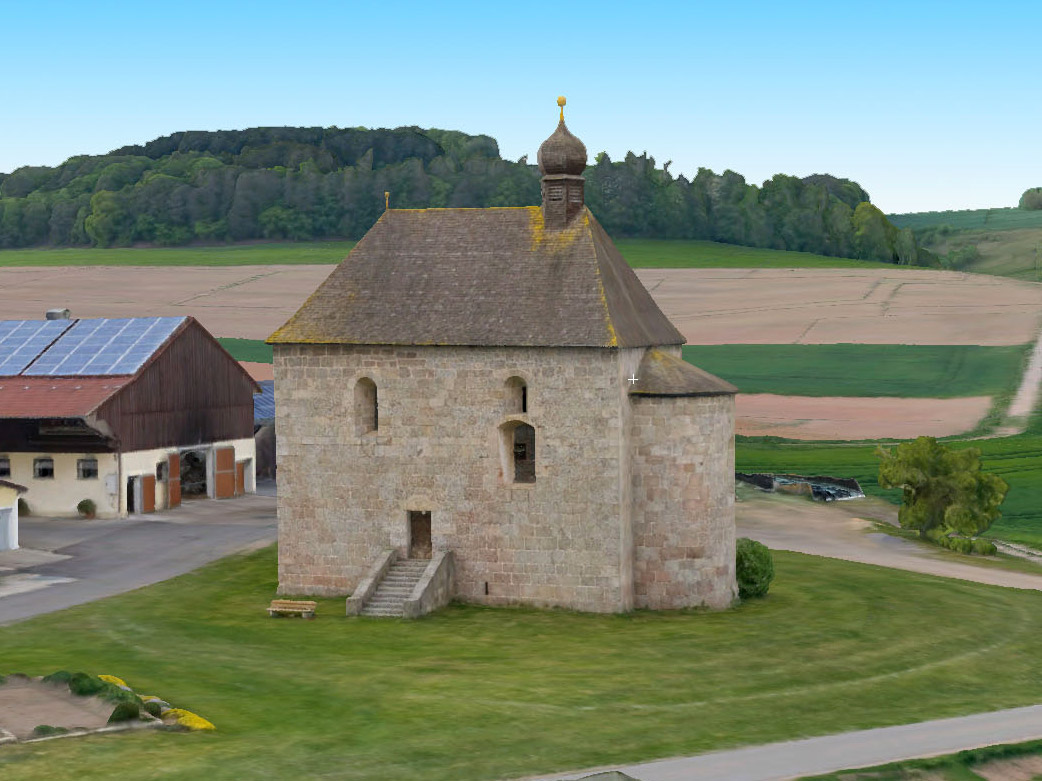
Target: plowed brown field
x=709 y=306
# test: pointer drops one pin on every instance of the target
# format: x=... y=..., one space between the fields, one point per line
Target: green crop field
x=478 y=693
x=924 y=371
x=247 y=349
x=281 y=253
x=640 y=253
x=1008 y=218
x=662 y=253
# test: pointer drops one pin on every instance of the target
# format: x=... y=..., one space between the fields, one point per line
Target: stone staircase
x=395 y=588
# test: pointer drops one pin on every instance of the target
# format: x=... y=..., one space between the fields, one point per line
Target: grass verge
x=920 y=371
x=950 y=767
x=474 y=693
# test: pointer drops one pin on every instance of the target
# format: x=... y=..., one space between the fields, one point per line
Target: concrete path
x=778 y=761
x=840 y=530
x=100 y=558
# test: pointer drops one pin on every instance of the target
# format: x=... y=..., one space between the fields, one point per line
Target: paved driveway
x=94 y=559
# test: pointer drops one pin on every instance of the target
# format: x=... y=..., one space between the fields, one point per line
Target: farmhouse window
x=161 y=470
x=43 y=468
x=87 y=469
x=5 y=466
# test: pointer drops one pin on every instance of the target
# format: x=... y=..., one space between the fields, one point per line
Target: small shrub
x=87 y=507
x=938 y=535
x=188 y=719
x=86 y=685
x=153 y=708
x=23 y=507
x=754 y=568
x=45 y=730
x=984 y=547
x=960 y=545
x=125 y=711
x=62 y=676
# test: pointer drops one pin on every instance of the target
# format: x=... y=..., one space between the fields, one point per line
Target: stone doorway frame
x=421 y=544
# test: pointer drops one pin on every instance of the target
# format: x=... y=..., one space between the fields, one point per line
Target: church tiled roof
x=662 y=374
x=485 y=277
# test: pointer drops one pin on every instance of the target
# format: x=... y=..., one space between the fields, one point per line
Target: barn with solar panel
x=133 y=414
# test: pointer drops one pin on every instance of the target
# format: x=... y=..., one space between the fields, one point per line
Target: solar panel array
x=22 y=340
x=82 y=348
x=264 y=402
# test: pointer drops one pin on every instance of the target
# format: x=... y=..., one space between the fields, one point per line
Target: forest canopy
x=319 y=183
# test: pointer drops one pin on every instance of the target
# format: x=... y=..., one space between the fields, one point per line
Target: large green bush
x=1031 y=199
x=754 y=568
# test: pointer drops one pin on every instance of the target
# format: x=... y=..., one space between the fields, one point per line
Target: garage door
x=173 y=477
x=224 y=472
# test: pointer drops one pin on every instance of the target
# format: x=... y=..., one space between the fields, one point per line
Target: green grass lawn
x=279 y=253
x=640 y=253
x=247 y=349
x=864 y=369
x=474 y=693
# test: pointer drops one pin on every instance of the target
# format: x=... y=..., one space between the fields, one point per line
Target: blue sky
x=927 y=105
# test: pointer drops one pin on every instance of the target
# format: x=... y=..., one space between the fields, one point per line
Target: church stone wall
x=344 y=496
x=683 y=501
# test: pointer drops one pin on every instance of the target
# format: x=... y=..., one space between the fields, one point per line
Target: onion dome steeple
x=562 y=153
x=562 y=159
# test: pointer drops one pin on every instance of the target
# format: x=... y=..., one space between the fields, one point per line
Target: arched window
x=517 y=396
x=524 y=454
x=517 y=452
x=367 y=416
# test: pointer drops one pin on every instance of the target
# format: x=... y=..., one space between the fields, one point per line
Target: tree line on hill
x=316 y=183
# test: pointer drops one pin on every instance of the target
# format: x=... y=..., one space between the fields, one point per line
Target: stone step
x=393 y=592
x=398 y=576
x=382 y=612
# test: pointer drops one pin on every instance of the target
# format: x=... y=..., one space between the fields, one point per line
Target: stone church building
x=496 y=384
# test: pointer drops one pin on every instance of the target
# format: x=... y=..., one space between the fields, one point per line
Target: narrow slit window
x=5 y=466
x=516 y=396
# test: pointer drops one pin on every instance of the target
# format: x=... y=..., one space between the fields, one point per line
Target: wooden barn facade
x=133 y=414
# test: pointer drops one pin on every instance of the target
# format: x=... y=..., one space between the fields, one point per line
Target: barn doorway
x=134 y=494
x=419 y=534
x=194 y=474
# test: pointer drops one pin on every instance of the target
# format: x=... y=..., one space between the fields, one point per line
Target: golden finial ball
x=561 y=101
